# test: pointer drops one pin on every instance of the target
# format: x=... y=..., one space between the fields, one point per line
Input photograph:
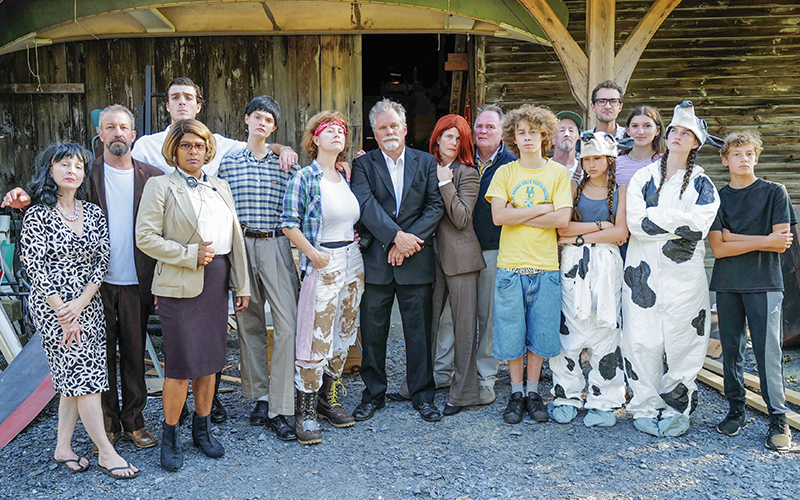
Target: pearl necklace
x=73 y=217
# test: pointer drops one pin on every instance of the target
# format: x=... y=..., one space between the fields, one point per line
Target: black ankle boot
x=203 y=439
x=171 y=454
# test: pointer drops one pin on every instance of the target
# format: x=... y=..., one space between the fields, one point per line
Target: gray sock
x=517 y=387
x=533 y=387
x=271 y=415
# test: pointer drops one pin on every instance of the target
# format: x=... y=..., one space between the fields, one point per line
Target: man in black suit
x=398 y=191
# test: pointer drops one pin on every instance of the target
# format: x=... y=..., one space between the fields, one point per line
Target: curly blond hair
x=315 y=121
x=539 y=117
x=736 y=139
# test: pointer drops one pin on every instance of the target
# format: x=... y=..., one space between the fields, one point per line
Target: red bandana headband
x=328 y=124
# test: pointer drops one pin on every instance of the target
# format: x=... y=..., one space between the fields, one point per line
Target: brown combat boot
x=305 y=418
x=328 y=406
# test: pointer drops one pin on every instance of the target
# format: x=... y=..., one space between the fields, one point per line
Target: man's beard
x=118 y=148
x=391 y=143
x=565 y=146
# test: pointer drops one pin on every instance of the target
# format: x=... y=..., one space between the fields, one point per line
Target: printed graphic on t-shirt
x=529 y=193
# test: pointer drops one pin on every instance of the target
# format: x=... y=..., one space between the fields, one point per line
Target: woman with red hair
x=458 y=254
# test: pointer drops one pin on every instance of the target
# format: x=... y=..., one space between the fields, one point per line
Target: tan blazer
x=166 y=231
x=456 y=246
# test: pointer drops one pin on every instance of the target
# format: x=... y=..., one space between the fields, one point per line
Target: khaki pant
x=273 y=278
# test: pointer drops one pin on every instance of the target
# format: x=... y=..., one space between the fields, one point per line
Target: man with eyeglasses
x=606 y=106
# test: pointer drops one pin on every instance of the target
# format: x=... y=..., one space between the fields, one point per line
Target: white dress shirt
x=148 y=149
x=214 y=217
x=396 y=171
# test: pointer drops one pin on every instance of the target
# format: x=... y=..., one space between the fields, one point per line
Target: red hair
x=466 y=149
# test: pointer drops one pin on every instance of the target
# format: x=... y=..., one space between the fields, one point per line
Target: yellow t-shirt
x=524 y=246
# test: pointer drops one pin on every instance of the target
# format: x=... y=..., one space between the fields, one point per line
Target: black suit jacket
x=419 y=214
x=97 y=195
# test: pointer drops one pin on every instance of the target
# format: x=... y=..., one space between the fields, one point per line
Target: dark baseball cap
x=571 y=115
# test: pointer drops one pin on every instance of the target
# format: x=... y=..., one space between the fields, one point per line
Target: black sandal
x=80 y=468
x=110 y=471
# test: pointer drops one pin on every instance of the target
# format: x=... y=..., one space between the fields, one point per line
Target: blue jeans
x=527 y=314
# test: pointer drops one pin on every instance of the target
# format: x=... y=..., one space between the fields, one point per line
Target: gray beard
x=565 y=147
x=118 y=148
x=391 y=145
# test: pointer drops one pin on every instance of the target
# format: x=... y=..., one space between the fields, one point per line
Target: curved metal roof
x=29 y=22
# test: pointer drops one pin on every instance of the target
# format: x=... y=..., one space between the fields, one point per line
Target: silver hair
x=492 y=107
x=383 y=106
x=115 y=108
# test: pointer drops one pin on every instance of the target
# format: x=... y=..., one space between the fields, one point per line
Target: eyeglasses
x=610 y=102
x=185 y=146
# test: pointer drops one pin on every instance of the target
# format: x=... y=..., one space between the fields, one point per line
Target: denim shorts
x=527 y=314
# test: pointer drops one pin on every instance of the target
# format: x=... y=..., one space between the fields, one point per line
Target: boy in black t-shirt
x=752 y=227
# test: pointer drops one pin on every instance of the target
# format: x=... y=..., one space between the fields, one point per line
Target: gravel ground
x=397 y=455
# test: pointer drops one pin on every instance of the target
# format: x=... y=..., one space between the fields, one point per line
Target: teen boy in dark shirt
x=751 y=229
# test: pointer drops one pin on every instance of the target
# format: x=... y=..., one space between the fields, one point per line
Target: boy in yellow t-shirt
x=530 y=198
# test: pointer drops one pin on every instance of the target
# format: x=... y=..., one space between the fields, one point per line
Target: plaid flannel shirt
x=302 y=207
x=257 y=186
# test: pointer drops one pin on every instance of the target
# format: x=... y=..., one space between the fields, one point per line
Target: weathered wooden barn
x=738 y=60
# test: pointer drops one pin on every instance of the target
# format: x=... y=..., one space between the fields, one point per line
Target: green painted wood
x=23 y=17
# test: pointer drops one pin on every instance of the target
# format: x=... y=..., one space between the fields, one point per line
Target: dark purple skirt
x=196 y=329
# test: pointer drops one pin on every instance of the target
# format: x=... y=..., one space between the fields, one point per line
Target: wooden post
x=600 y=16
x=480 y=74
x=631 y=50
x=456 y=89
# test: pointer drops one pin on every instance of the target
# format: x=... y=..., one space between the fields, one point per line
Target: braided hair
x=611 y=174
x=689 y=167
x=576 y=215
x=688 y=174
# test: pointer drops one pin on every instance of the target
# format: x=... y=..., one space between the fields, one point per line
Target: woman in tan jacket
x=187 y=222
x=458 y=254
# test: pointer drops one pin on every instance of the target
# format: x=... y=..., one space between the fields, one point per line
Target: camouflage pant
x=340 y=285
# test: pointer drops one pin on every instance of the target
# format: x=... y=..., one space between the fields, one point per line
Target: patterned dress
x=58 y=261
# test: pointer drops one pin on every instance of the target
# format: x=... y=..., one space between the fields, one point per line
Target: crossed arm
x=727 y=244
x=541 y=216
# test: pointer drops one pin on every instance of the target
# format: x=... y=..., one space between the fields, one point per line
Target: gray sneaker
x=779 y=436
x=733 y=423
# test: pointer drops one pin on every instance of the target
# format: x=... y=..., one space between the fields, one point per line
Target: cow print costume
x=665 y=304
x=58 y=261
x=591 y=291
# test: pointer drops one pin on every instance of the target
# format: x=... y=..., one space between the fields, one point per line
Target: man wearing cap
x=569 y=123
x=606 y=105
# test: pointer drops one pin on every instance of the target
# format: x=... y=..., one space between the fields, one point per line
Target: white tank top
x=340 y=211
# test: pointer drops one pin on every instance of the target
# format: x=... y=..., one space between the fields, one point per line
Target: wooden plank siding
x=301 y=72
x=737 y=60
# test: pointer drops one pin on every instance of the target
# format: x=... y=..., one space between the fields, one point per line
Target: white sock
x=533 y=387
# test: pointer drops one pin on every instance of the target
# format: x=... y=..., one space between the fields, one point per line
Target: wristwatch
x=578 y=241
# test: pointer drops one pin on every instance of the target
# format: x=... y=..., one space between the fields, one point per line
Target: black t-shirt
x=752 y=210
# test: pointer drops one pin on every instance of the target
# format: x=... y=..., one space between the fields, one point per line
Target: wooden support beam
x=630 y=52
x=45 y=88
x=750 y=380
x=480 y=74
x=752 y=399
x=600 y=16
x=573 y=59
x=457 y=85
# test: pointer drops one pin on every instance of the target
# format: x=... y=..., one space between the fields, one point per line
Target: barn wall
x=303 y=73
x=737 y=60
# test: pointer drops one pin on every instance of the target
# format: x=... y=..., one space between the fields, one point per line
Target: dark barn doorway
x=410 y=70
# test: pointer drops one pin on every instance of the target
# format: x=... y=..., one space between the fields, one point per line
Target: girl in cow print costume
x=665 y=306
x=591 y=289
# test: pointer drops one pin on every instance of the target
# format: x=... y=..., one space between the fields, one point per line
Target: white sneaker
x=486 y=394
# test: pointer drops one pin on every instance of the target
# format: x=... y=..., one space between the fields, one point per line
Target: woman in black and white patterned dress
x=65 y=250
